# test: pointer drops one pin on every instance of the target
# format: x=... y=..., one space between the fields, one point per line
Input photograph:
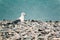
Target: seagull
x=21 y=18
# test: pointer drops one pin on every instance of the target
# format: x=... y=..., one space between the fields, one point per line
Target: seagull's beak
x=25 y=15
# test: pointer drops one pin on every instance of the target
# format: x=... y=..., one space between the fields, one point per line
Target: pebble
x=33 y=30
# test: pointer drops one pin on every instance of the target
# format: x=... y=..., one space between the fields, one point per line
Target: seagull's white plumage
x=22 y=17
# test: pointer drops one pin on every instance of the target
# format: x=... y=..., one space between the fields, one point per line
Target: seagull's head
x=23 y=13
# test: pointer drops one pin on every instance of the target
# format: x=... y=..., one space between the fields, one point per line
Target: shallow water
x=35 y=9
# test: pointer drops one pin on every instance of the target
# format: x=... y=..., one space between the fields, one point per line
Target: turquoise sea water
x=35 y=9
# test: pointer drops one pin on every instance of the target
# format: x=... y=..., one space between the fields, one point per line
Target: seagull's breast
x=22 y=18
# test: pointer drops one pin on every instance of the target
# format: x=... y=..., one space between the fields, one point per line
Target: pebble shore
x=30 y=30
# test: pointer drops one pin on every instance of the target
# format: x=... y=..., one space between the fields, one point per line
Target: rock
x=30 y=30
